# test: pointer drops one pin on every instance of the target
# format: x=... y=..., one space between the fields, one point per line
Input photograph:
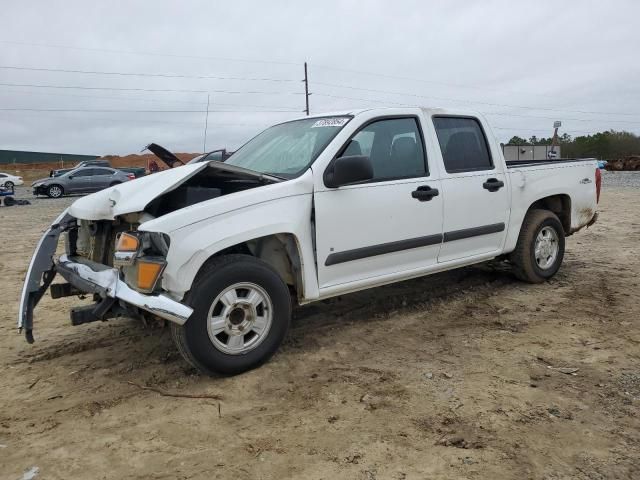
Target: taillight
x=598 y=184
x=131 y=176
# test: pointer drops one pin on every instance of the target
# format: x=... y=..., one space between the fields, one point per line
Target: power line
x=421 y=80
x=80 y=87
x=540 y=130
x=131 y=99
x=600 y=120
x=487 y=113
x=141 y=74
x=139 y=111
x=154 y=54
x=139 y=120
x=364 y=99
x=473 y=101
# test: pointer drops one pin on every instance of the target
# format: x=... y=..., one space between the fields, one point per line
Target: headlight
x=141 y=256
x=127 y=248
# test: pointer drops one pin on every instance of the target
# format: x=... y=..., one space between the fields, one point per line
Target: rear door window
x=463 y=144
x=102 y=171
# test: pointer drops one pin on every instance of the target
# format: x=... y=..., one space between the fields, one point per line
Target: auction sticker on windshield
x=331 y=122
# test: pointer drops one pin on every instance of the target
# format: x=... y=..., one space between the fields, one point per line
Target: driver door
x=380 y=228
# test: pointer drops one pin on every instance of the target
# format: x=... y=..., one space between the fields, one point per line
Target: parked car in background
x=137 y=171
x=80 y=180
x=217 y=155
x=9 y=181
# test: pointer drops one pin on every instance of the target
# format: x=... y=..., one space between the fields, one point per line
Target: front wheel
x=540 y=248
x=55 y=191
x=241 y=314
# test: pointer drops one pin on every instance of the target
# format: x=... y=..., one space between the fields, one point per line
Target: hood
x=133 y=196
x=41 y=181
x=165 y=155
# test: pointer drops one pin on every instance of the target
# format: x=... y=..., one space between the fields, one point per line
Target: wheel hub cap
x=546 y=247
x=240 y=318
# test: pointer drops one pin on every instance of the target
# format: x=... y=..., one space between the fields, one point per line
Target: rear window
x=463 y=144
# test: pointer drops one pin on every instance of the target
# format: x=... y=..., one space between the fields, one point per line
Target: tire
x=113 y=184
x=8 y=184
x=206 y=345
x=540 y=228
x=9 y=201
x=55 y=191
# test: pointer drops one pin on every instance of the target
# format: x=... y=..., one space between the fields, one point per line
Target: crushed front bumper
x=91 y=277
x=88 y=277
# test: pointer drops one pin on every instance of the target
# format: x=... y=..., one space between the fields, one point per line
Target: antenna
x=206 y=124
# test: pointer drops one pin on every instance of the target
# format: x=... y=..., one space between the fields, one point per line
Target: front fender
x=193 y=245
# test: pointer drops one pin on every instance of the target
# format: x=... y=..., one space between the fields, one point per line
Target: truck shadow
x=126 y=346
x=387 y=300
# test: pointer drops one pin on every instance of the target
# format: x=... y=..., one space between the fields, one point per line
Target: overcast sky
x=523 y=64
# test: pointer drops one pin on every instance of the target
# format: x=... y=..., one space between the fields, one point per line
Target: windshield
x=288 y=149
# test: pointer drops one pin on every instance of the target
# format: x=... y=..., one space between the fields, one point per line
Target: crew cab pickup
x=308 y=209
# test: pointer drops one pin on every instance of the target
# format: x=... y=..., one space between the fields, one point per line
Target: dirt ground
x=467 y=374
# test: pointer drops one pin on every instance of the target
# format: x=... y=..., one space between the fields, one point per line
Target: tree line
x=609 y=145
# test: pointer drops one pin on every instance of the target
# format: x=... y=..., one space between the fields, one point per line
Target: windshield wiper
x=279 y=177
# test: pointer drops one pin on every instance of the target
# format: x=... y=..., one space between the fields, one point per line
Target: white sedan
x=8 y=180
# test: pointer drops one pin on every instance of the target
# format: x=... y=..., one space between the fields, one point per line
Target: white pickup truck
x=308 y=209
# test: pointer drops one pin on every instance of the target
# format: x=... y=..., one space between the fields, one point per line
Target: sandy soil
x=460 y=375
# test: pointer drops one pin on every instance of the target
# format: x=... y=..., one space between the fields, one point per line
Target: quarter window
x=463 y=144
x=394 y=147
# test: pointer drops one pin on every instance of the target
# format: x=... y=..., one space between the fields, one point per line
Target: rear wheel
x=8 y=184
x=242 y=310
x=113 y=184
x=55 y=191
x=540 y=248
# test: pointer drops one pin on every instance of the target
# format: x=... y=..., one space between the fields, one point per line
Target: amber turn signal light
x=148 y=274
x=127 y=243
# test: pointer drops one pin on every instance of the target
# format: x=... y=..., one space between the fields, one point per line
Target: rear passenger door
x=101 y=178
x=79 y=181
x=476 y=197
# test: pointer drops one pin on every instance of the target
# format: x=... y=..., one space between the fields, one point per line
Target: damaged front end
x=89 y=269
x=110 y=256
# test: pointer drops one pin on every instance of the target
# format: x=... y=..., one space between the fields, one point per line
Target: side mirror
x=70 y=177
x=348 y=170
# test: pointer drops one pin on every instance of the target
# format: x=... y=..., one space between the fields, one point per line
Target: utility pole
x=306 y=88
x=554 y=140
x=206 y=124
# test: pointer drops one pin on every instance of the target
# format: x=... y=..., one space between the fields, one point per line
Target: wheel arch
x=560 y=204
x=280 y=250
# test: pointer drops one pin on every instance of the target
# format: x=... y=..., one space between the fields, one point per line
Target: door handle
x=425 y=193
x=493 y=184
